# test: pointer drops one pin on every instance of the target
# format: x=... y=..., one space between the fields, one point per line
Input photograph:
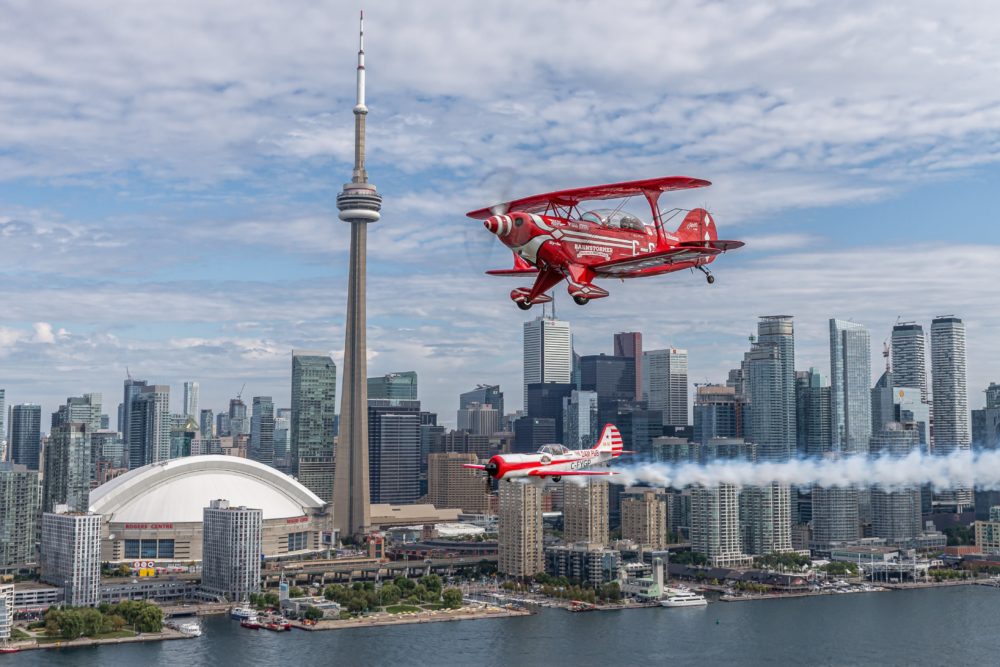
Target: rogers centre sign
x=147 y=526
x=297 y=519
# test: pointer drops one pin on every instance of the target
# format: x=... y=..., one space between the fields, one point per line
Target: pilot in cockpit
x=614 y=219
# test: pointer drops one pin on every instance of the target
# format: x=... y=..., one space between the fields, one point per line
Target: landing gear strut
x=581 y=300
x=708 y=274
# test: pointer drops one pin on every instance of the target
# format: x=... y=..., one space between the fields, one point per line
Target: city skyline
x=245 y=180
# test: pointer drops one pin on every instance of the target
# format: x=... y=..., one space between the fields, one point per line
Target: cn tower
x=359 y=205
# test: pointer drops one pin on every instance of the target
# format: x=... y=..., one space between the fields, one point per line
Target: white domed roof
x=178 y=490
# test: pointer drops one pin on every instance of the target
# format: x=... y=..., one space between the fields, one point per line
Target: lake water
x=956 y=625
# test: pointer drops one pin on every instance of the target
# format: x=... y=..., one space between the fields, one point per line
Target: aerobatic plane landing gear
x=581 y=300
x=708 y=274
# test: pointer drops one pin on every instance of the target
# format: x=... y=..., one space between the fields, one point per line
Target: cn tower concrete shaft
x=359 y=205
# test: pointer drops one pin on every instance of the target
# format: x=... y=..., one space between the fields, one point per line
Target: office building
x=149 y=425
x=20 y=504
x=581 y=426
x=449 y=485
x=67 y=468
x=394 y=450
x=585 y=511
x=84 y=409
x=478 y=419
x=612 y=378
x=314 y=387
x=131 y=392
x=26 y=435
x=6 y=612
x=639 y=426
x=239 y=420
x=896 y=512
x=519 y=527
x=71 y=555
x=718 y=413
x=952 y=427
x=206 y=424
x=394 y=386
x=644 y=517
x=986 y=421
x=185 y=438
x=262 y=430
x=909 y=357
x=548 y=352
x=191 y=390
x=665 y=384
x=545 y=401
x=231 y=551
x=530 y=433
x=629 y=345
x=589 y=563
x=3 y=424
x=484 y=394
x=814 y=435
x=850 y=387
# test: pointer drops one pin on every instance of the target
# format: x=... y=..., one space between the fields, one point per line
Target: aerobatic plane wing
x=676 y=255
x=564 y=473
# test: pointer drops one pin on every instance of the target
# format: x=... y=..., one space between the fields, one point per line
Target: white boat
x=192 y=629
x=688 y=599
x=242 y=613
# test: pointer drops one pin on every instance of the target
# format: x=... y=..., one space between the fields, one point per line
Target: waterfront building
x=952 y=428
x=988 y=533
x=20 y=504
x=590 y=564
x=26 y=435
x=665 y=384
x=813 y=425
x=67 y=468
x=71 y=555
x=581 y=427
x=149 y=424
x=896 y=513
x=449 y=485
x=262 y=430
x=6 y=610
x=585 y=511
x=519 y=528
x=394 y=450
x=835 y=516
x=314 y=388
x=548 y=352
x=628 y=344
x=644 y=517
x=155 y=512
x=484 y=394
x=909 y=357
x=394 y=386
x=715 y=511
x=231 y=551
x=478 y=419
x=191 y=391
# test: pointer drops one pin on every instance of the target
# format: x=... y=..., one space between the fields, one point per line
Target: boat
x=251 y=623
x=190 y=629
x=9 y=649
x=688 y=599
x=242 y=613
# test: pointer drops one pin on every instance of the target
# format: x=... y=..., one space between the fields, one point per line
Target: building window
x=131 y=548
x=166 y=549
x=298 y=541
x=148 y=549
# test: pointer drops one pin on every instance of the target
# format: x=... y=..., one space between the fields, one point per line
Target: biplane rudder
x=698 y=225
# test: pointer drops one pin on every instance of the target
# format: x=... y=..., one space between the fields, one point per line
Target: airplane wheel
x=523 y=305
x=710 y=278
x=556 y=479
x=581 y=300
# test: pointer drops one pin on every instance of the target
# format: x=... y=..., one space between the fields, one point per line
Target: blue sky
x=168 y=178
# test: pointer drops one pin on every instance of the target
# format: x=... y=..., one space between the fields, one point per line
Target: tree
x=404 y=584
x=92 y=621
x=452 y=598
x=296 y=592
x=150 y=619
x=389 y=594
x=313 y=613
x=116 y=622
x=432 y=582
x=356 y=605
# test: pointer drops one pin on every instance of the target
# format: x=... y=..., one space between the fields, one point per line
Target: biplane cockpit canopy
x=614 y=219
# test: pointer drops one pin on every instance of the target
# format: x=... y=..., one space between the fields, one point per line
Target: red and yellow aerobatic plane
x=551 y=239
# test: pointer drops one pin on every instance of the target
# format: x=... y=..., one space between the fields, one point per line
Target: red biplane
x=552 y=240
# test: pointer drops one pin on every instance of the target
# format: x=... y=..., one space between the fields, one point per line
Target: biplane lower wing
x=678 y=255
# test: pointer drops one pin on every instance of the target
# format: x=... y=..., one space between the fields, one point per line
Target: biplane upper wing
x=537 y=203
x=654 y=259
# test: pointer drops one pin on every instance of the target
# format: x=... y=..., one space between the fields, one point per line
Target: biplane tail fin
x=697 y=225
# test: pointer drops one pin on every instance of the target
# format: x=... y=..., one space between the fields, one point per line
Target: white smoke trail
x=962 y=469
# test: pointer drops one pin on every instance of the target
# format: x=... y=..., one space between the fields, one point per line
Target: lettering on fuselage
x=590 y=250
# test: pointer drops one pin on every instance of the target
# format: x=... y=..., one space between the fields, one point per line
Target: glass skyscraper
x=850 y=387
x=548 y=352
x=909 y=357
x=314 y=393
x=394 y=386
x=26 y=435
x=262 y=430
x=665 y=384
x=952 y=427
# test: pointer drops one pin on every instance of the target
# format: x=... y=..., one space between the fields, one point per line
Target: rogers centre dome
x=155 y=512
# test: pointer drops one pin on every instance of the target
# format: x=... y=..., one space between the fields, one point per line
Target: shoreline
x=439 y=616
x=167 y=634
